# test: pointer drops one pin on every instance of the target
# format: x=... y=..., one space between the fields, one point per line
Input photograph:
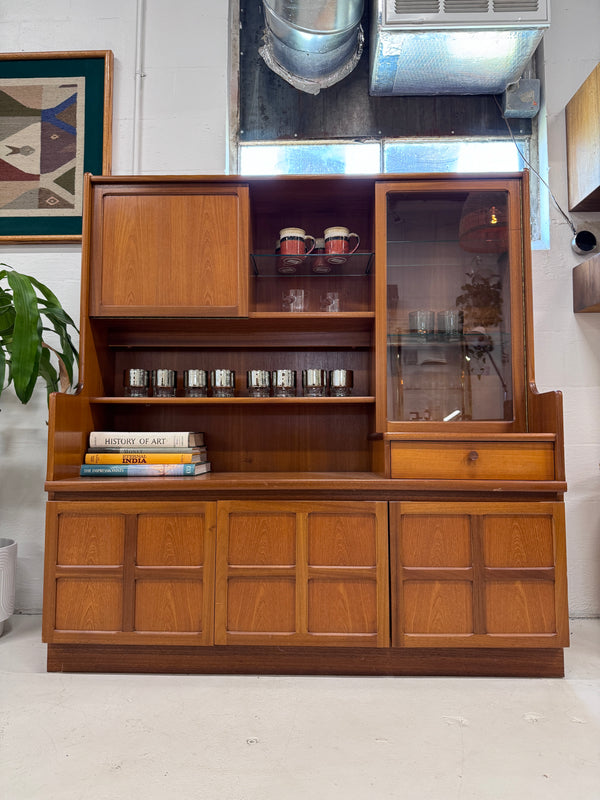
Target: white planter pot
x=8 y=569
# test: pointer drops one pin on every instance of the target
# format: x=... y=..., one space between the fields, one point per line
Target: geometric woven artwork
x=42 y=146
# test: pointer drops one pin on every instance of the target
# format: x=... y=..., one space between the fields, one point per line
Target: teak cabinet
x=415 y=526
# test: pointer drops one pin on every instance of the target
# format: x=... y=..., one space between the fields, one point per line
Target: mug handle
x=357 y=237
x=312 y=247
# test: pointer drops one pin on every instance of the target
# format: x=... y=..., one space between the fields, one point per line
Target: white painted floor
x=107 y=737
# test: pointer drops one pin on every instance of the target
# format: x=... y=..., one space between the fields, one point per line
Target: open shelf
x=203 y=401
x=268 y=265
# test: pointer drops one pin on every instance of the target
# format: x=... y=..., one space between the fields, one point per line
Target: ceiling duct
x=312 y=44
x=426 y=47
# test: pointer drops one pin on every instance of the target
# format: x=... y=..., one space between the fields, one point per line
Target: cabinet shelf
x=355 y=265
x=203 y=401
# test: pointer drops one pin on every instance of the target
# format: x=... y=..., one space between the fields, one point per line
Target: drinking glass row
x=221 y=382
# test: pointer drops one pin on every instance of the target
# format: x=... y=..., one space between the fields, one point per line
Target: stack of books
x=126 y=454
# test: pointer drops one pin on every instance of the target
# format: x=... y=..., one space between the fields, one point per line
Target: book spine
x=139 y=470
x=201 y=450
x=141 y=458
x=140 y=440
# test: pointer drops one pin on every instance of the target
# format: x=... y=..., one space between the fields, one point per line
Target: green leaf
x=26 y=305
x=48 y=373
x=27 y=344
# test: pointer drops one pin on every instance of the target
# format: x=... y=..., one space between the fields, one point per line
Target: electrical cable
x=531 y=167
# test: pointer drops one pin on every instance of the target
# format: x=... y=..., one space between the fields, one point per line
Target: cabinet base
x=513 y=663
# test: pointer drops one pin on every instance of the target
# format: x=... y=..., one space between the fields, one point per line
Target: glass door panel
x=448 y=297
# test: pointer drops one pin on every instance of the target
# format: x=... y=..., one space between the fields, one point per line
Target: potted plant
x=29 y=311
x=481 y=307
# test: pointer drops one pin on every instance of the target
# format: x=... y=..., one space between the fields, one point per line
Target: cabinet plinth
x=413 y=526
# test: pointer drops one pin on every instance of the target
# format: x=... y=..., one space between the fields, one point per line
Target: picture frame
x=55 y=125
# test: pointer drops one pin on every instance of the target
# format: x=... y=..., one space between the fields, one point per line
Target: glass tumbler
x=258 y=382
x=422 y=323
x=195 y=383
x=341 y=382
x=135 y=382
x=314 y=382
x=222 y=382
x=283 y=382
x=164 y=382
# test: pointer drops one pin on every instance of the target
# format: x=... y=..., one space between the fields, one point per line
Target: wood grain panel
x=586 y=285
x=344 y=607
x=518 y=541
x=436 y=607
x=302 y=572
x=480 y=461
x=262 y=605
x=90 y=539
x=151 y=242
x=88 y=604
x=342 y=539
x=582 y=119
x=168 y=606
x=259 y=538
x=170 y=540
x=442 y=541
x=520 y=607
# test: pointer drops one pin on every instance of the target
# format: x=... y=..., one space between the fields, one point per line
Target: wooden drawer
x=514 y=461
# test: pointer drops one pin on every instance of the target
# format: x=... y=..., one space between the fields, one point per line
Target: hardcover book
x=144 y=439
x=141 y=470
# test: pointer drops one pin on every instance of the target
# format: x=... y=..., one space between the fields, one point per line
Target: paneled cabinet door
x=129 y=573
x=478 y=575
x=165 y=252
x=302 y=573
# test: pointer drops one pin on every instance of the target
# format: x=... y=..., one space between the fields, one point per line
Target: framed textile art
x=55 y=125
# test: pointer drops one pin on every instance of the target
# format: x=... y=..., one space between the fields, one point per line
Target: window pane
x=332 y=158
x=436 y=155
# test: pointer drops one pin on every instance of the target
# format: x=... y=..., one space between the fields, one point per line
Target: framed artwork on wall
x=55 y=125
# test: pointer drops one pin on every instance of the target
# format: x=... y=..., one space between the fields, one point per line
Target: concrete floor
x=107 y=737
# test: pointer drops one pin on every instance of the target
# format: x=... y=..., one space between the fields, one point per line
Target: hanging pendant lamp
x=483 y=224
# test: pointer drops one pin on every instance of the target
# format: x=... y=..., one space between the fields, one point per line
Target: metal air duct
x=312 y=44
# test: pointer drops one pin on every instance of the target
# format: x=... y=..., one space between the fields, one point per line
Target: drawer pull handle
x=473 y=455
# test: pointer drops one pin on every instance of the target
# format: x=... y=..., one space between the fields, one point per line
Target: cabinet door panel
x=164 y=540
x=163 y=252
x=443 y=541
x=129 y=572
x=261 y=605
x=302 y=573
x=346 y=606
x=438 y=607
x=91 y=539
x=513 y=541
x=520 y=607
x=89 y=604
x=478 y=575
x=257 y=538
x=168 y=606
x=339 y=540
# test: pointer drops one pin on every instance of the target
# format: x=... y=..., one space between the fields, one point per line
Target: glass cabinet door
x=449 y=339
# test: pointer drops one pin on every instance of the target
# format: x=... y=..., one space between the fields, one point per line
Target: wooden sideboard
x=413 y=527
